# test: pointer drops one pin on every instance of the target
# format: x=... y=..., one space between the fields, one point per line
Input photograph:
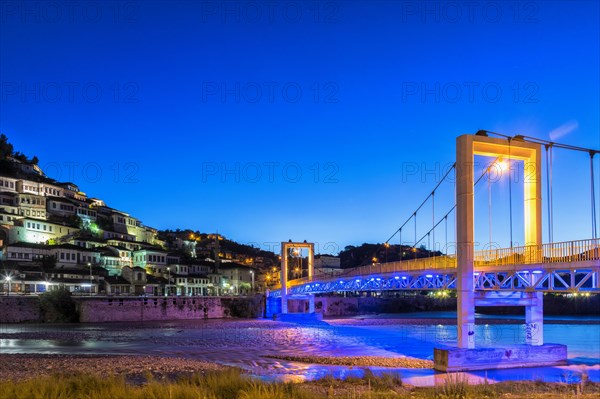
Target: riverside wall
x=167 y=308
x=17 y=309
x=26 y=309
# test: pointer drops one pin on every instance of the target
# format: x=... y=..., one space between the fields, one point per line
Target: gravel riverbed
x=23 y=367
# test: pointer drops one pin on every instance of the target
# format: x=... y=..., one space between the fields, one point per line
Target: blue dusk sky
x=306 y=120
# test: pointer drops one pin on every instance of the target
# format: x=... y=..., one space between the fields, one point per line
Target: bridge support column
x=311 y=304
x=464 y=236
x=284 y=278
x=534 y=320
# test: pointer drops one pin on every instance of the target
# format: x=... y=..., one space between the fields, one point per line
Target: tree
x=6 y=149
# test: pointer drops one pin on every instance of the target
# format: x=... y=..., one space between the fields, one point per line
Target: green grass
x=233 y=384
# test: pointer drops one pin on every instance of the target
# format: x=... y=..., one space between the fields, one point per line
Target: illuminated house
x=114 y=258
x=37 y=231
x=236 y=279
x=154 y=261
x=71 y=190
x=25 y=252
x=69 y=255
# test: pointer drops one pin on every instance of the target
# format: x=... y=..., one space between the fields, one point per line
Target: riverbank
x=132 y=368
x=361 y=361
x=232 y=383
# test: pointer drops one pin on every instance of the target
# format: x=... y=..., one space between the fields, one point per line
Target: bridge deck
x=563 y=266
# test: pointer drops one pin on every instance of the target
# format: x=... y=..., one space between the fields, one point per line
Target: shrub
x=58 y=306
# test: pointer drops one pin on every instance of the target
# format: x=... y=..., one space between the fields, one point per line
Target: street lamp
x=91 y=278
x=169 y=281
x=8 y=278
x=387 y=245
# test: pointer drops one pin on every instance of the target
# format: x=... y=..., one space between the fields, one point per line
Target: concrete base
x=297 y=317
x=458 y=359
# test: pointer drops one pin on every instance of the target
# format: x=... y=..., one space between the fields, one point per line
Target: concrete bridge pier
x=534 y=320
x=273 y=306
x=311 y=304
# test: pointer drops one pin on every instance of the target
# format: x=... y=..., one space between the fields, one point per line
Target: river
x=246 y=343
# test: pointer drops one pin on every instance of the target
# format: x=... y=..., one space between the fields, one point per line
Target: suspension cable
x=536 y=140
x=424 y=201
x=446 y=215
x=550 y=205
x=446 y=234
x=593 y=194
x=433 y=220
x=490 y=205
x=437 y=224
x=510 y=193
x=415 y=228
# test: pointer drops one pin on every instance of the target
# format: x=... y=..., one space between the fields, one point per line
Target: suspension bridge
x=514 y=276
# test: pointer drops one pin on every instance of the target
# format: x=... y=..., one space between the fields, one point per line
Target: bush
x=244 y=307
x=57 y=306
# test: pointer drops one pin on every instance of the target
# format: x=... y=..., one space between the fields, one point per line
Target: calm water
x=246 y=343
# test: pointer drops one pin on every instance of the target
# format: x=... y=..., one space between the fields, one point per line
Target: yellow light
x=374 y=260
x=501 y=165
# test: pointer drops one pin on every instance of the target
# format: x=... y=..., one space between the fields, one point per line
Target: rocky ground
x=22 y=367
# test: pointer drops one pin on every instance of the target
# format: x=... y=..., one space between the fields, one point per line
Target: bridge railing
x=558 y=252
x=420 y=264
x=567 y=251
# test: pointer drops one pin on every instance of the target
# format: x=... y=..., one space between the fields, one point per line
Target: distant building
x=327 y=264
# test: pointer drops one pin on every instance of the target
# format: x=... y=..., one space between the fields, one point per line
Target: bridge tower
x=467 y=146
x=285 y=296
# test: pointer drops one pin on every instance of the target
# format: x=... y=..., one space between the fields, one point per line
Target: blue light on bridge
x=357 y=280
x=537 y=272
x=397 y=278
x=429 y=275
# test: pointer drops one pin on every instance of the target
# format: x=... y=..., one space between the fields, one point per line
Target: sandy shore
x=368 y=361
x=22 y=367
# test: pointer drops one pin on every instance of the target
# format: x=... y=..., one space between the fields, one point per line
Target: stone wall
x=172 y=308
x=20 y=309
